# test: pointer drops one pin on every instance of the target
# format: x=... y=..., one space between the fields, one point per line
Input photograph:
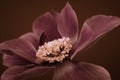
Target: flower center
x=55 y=50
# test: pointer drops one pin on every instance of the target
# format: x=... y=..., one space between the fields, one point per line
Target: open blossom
x=54 y=42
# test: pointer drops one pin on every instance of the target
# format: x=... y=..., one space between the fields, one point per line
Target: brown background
x=16 y=18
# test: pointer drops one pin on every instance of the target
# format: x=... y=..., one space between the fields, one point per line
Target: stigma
x=54 y=51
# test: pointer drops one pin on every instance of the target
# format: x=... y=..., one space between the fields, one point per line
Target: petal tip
x=67 y=5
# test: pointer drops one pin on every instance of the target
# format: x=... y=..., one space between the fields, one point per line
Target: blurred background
x=17 y=16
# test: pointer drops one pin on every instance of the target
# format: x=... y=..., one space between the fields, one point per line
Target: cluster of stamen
x=55 y=50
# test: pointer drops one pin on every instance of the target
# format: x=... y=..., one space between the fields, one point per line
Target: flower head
x=56 y=50
x=54 y=42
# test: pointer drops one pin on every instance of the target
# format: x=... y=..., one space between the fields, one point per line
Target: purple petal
x=21 y=48
x=43 y=38
x=67 y=23
x=93 y=29
x=84 y=40
x=31 y=38
x=81 y=71
x=23 y=72
x=13 y=60
x=47 y=24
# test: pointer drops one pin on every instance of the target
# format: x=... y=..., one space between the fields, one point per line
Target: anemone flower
x=54 y=42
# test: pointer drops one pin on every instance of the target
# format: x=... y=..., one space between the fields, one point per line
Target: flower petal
x=21 y=48
x=47 y=24
x=13 y=60
x=67 y=23
x=43 y=39
x=93 y=29
x=80 y=71
x=31 y=37
x=23 y=72
x=83 y=41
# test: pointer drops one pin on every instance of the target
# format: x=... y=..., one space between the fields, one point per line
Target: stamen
x=55 y=50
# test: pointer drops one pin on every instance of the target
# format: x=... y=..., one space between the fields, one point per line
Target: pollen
x=56 y=50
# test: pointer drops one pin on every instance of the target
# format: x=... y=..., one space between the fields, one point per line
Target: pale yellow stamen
x=55 y=50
